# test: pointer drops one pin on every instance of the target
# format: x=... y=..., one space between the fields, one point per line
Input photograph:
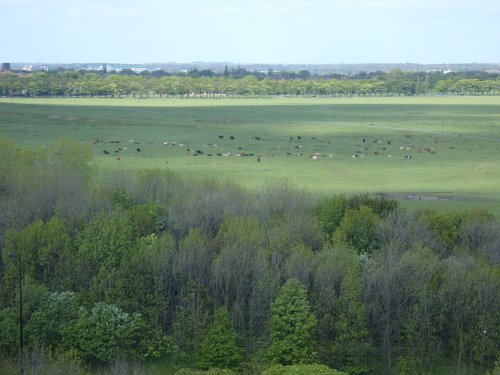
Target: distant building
x=93 y=67
x=5 y=67
x=110 y=68
x=138 y=69
x=44 y=68
x=28 y=68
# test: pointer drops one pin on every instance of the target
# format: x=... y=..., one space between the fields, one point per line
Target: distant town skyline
x=259 y=31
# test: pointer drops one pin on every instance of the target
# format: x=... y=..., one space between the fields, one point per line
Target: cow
x=105 y=152
x=138 y=149
x=232 y=138
x=257 y=138
x=221 y=137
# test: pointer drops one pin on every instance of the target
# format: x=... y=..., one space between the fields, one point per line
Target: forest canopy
x=135 y=266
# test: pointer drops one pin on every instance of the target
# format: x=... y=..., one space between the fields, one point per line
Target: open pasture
x=440 y=152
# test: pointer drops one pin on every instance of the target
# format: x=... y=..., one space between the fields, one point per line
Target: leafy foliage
x=358 y=228
x=95 y=334
x=219 y=347
x=301 y=370
x=291 y=327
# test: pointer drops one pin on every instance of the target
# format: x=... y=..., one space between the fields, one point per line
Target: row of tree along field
x=71 y=83
x=124 y=268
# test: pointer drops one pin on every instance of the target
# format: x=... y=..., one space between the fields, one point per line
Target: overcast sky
x=253 y=31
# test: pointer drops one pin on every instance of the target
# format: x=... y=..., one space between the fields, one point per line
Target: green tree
x=148 y=218
x=358 y=229
x=301 y=370
x=141 y=340
x=9 y=326
x=329 y=213
x=101 y=246
x=94 y=335
x=219 y=348
x=291 y=326
x=191 y=320
x=44 y=325
x=344 y=339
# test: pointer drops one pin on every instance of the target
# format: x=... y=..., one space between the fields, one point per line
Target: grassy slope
x=464 y=131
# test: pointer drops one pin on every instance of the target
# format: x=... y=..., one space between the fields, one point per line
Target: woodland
x=125 y=269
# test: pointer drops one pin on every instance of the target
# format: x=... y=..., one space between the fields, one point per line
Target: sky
x=250 y=31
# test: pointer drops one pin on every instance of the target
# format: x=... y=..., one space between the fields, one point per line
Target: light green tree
x=291 y=326
x=358 y=229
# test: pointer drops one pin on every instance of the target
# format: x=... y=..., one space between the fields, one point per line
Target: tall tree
x=291 y=326
x=219 y=348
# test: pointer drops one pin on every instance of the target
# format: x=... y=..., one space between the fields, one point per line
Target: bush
x=212 y=371
x=301 y=370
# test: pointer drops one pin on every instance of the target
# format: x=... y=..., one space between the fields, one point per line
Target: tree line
x=69 y=83
x=122 y=268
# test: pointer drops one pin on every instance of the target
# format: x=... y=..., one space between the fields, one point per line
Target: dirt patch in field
x=54 y=117
x=417 y=196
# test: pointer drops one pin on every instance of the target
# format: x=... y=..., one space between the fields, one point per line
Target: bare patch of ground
x=415 y=196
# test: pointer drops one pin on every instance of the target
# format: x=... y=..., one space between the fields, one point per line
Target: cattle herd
x=295 y=147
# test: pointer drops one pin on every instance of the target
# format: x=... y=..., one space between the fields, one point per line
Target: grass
x=462 y=171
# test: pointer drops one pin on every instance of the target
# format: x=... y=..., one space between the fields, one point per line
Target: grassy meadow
x=454 y=142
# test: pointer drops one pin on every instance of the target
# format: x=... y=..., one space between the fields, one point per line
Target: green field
x=454 y=142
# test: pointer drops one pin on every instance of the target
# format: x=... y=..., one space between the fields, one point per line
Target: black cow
x=139 y=150
x=105 y=152
x=221 y=137
x=231 y=137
